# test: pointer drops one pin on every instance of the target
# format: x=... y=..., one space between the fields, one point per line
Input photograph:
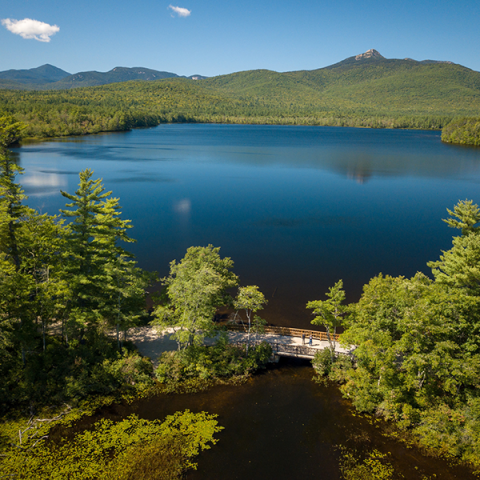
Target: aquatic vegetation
x=131 y=448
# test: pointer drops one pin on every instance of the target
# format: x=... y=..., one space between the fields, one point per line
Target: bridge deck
x=288 y=341
x=288 y=332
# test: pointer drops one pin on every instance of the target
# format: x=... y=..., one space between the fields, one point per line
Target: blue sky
x=218 y=37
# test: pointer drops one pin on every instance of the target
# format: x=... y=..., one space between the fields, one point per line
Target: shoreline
x=152 y=344
x=37 y=140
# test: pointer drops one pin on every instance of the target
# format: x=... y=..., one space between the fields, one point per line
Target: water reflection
x=280 y=201
x=143 y=179
x=282 y=425
x=360 y=154
x=183 y=207
x=39 y=183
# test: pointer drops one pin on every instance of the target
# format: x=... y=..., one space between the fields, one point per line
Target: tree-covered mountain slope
x=374 y=85
x=34 y=77
x=362 y=91
x=116 y=75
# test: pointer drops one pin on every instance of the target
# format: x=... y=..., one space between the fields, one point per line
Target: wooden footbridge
x=282 y=345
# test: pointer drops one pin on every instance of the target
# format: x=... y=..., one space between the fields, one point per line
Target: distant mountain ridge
x=366 y=90
x=373 y=56
x=48 y=77
x=35 y=76
x=116 y=75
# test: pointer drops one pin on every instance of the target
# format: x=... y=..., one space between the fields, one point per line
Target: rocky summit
x=372 y=53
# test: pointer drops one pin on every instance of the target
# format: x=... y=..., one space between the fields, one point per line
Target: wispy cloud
x=28 y=28
x=181 y=12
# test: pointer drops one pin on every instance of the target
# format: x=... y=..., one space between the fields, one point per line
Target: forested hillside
x=369 y=92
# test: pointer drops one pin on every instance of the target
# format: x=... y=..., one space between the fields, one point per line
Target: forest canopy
x=416 y=356
x=389 y=94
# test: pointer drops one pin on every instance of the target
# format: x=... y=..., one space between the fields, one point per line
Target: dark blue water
x=297 y=208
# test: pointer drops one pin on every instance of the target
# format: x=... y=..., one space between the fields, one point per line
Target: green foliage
x=118 y=450
x=373 y=467
x=60 y=288
x=417 y=355
x=331 y=367
x=463 y=131
x=195 y=288
x=11 y=131
x=384 y=94
x=459 y=267
x=322 y=362
x=329 y=312
x=251 y=300
x=205 y=363
x=69 y=373
x=465 y=216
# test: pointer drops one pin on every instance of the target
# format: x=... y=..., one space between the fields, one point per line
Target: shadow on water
x=282 y=425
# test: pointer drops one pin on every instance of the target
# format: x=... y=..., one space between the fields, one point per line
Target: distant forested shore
x=462 y=131
x=384 y=94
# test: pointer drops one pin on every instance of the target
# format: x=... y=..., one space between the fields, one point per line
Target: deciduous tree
x=329 y=313
x=195 y=288
x=251 y=300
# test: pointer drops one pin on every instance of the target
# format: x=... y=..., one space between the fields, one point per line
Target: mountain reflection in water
x=279 y=200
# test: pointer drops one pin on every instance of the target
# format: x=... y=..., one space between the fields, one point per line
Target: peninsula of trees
x=361 y=91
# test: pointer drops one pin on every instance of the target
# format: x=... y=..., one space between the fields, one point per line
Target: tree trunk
x=118 y=337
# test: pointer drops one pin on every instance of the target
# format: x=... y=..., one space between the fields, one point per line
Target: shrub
x=219 y=361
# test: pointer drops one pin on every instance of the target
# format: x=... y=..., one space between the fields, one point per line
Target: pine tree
x=459 y=267
x=97 y=269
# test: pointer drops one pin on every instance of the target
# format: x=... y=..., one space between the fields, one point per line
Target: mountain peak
x=372 y=53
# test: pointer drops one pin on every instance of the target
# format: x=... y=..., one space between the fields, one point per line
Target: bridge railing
x=288 y=332
x=294 y=350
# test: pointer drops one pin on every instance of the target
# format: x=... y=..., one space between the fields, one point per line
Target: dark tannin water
x=282 y=425
x=296 y=208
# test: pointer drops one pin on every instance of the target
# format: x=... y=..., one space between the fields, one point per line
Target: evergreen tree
x=459 y=267
x=16 y=285
x=100 y=273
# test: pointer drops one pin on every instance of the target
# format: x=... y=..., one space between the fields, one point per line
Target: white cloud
x=28 y=28
x=181 y=12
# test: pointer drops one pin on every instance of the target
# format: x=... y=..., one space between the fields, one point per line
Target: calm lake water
x=297 y=208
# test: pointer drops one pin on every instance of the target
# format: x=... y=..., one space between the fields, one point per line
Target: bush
x=205 y=363
x=331 y=368
x=70 y=372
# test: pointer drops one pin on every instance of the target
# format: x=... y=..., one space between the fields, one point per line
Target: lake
x=296 y=208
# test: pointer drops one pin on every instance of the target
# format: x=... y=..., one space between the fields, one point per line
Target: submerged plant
x=131 y=448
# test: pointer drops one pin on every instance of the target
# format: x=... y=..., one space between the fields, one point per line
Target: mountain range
x=48 y=77
x=365 y=90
